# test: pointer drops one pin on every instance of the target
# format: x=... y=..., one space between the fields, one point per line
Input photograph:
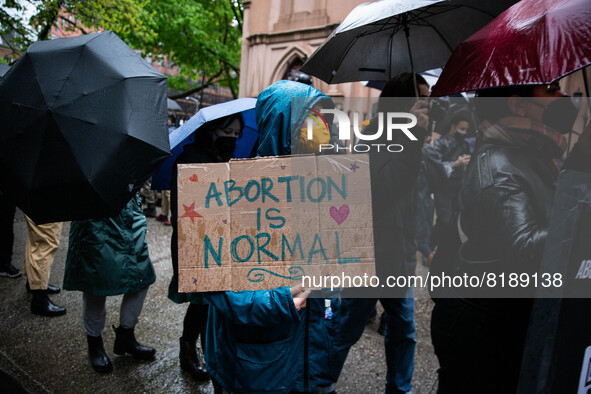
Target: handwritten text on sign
x=263 y=223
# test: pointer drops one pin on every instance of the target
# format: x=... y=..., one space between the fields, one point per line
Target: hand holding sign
x=299 y=296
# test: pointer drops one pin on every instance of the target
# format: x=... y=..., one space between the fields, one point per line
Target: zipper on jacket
x=306 y=340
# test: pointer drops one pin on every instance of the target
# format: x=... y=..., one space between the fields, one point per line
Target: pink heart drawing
x=194 y=178
x=341 y=214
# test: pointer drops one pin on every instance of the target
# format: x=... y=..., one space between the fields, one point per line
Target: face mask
x=560 y=114
x=225 y=146
x=460 y=132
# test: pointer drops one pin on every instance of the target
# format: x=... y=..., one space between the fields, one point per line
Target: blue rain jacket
x=273 y=112
x=257 y=342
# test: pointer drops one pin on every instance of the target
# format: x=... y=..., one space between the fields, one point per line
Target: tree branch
x=52 y=13
x=238 y=17
x=196 y=89
x=73 y=24
x=234 y=93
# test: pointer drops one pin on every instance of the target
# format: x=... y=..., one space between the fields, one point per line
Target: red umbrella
x=533 y=42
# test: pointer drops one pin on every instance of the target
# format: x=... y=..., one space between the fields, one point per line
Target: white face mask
x=460 y=132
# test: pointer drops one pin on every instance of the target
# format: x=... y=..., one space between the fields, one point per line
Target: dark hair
x=222 y=123
x=461 y=117
x=203 y=135
x=493 y=110
x=401 y=85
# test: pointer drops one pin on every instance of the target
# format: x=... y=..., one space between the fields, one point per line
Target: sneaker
x=162 y=218
x=168 y=223
x=10 y=271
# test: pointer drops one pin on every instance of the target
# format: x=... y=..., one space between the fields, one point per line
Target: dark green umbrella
x=83 y=127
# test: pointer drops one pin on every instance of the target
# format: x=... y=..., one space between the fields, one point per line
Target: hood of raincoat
x=274 y=117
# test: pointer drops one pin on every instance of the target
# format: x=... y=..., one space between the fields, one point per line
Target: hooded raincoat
x=257 y=342
x=110 y=256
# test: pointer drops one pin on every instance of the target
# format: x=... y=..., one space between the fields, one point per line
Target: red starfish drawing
x=190 y=212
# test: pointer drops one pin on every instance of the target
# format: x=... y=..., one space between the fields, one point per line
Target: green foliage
x=124 y=17
x=202 y=38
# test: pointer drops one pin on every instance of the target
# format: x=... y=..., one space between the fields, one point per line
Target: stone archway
x=289 y=65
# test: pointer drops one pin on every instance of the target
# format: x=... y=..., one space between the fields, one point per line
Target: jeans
x=399 y=339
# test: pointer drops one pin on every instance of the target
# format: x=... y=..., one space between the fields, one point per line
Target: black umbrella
x=380 y=39
x=173 y=105
x=83 y=127
x=3 y=69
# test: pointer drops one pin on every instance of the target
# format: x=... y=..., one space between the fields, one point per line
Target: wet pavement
x=43 y=354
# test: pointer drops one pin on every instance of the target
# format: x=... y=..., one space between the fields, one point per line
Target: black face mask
x=560 y=115
x=225 y=146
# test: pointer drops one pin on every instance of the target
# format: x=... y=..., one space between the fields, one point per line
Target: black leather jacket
x=449 y=148
x=506 y=199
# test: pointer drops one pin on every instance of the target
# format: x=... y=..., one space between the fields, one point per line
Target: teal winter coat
x=257 y=342
x=110 y=256
x=252 y=340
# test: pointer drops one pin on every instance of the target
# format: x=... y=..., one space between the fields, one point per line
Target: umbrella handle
x=412 y=65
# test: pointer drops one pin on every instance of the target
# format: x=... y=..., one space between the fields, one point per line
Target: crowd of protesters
x=497 y=184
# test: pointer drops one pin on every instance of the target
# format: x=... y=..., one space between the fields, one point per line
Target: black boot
x=190 y=361
x=50 y=289
x=125 y=342
x=99 y=360
x=42 y=305
x=150 y=212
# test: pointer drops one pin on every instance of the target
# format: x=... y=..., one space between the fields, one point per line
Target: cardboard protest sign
x=264 y=223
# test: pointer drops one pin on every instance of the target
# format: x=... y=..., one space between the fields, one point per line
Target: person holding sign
x=506 y=200
x=270 y=340
x=214 y=143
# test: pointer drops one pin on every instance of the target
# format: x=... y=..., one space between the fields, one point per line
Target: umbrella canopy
x=3 y=69
x=431 y=76
x=83 y=127
x=380 y=39
x=185 y=134
x=173 y=105
x=533 y=42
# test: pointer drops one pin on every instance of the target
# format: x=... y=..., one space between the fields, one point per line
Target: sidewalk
x=50 y=354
